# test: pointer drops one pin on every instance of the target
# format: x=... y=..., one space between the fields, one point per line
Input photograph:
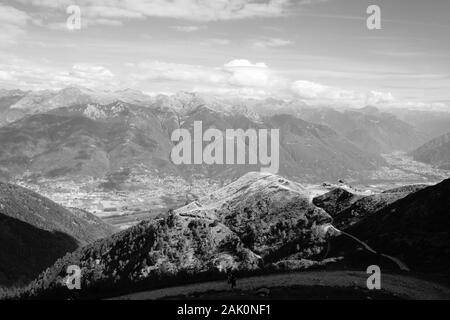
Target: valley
x=403 y=169
x=144 y=194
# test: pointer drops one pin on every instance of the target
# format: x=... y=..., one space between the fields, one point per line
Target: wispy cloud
x=21 y=73
x=271 y=43
x=409 y=54
x=12 y=24
x=188 y=28
x=217 y=41
x=192 y=10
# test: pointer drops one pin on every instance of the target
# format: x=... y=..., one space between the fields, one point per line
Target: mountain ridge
x=93 y=139
x=255 y=221
x=435 y=152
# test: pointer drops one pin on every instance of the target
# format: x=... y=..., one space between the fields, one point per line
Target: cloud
x=188 y=28
x=5 y=76
x=12 y=24
x=239 y=75
x=157 y=70
x=409 y=54
x=271 y=43
x=11 y=15
x=115 y=12
x=26 y=75
x=87 y=75
x=10 y=34
x=192 y=10
x=82 y=70
x=319 y=94
x=315 y=91
x=218 y=41
x=243 y=63
x=376 y=97
x=97 y=9
x=244 y=73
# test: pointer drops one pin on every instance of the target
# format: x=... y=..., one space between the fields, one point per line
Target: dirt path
x=398 y=285
x=397 y=261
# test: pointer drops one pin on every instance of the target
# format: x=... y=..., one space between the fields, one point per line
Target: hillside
x=415 y=229
x=348 y=208
x=430 y=123
x=369 y=128
x=251 y=224
x=7 y=99
x=87 y=140
x=435 y=152
x=336 y=200
x=35 y=231
x=311 y=151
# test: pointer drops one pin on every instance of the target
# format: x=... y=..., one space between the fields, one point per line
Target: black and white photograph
x=215 y=151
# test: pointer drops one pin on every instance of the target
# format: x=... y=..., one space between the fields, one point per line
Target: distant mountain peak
x=370 y=109
x=97 y=111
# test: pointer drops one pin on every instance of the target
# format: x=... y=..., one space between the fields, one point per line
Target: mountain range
x=80 y=131
x=16 y=104
x=368 y=128
x=95 y=139
x=430 y=124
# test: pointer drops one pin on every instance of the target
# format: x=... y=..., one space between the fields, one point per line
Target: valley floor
x=144 y=195
x=392 y=285
x=403 y=169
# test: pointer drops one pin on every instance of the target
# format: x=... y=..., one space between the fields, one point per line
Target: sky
x=320 y=51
